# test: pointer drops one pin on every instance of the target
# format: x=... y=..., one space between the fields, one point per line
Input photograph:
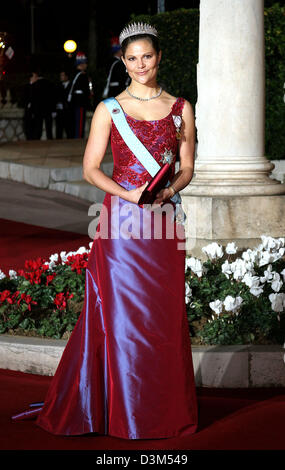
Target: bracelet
x=172 y=189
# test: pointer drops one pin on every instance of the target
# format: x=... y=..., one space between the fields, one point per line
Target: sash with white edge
x=139 y=150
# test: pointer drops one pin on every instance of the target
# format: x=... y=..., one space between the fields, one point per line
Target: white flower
x=82 y=250
x=231 y=248
x=270 y=243
x=281 y=251
x=265 y=258
x=267 y=242
x=268 y=274
x=195 y=265
x=278 y=254
x=232 y=303
x=283 y=274
x=253 y=282
x=250 y=255
x=63 y=256
x=226 y=269
x=188 y=293
x=53 y=259
x=250 y=281
x=2 y=275
x=277 y=301
x=239 y=267
x=276 y=283
x=217 y=306
x=274 y=248
x=256 y=290
x=12 y=274
x=213 y=250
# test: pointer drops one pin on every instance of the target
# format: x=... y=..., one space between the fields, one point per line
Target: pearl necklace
x=144 y=99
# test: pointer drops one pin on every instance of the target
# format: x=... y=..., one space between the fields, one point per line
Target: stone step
x=81 y=189
x=44 y=164
x=237 y=366
x=65 y=178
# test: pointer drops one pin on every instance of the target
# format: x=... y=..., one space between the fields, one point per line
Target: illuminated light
x=70 y=46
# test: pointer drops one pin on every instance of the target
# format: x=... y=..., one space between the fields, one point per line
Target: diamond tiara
x=137 y=28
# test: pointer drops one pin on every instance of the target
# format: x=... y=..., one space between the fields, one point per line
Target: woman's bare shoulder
x=187 y=107
x=101 y=114
x=101 y=109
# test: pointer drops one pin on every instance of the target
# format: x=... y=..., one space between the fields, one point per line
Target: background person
x=63 y=109
x=117 y=79
x=40 y=100
x=79 y=96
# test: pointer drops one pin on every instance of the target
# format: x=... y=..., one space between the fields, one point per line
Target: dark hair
x=149 y=37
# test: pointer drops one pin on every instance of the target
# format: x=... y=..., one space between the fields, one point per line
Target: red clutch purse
x=158 y=182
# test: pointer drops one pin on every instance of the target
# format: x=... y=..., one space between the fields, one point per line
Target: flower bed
x=230 y=298
x=237 y=299
x=46 y=297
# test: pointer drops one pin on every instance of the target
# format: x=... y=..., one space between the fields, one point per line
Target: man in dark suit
x=64 y=122
x=40 y=103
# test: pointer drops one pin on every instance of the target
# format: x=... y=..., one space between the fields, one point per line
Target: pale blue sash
x=136 y=146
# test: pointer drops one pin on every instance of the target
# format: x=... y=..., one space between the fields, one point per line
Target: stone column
x=230 y=122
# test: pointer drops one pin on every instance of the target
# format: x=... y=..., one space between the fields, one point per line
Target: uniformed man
x=79 y=96
x=117 y=77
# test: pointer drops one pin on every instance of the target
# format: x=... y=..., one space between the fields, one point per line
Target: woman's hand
x=135 y=194
x=163 y=195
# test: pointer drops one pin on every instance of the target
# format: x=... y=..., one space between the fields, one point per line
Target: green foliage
x=179 y=38
x=274 y=26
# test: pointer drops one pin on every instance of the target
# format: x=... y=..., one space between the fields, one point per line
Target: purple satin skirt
x=127 y=368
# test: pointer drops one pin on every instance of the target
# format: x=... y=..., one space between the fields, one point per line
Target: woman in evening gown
x=127 y=368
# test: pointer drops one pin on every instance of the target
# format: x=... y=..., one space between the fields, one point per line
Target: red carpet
x=20 y=241
x=240 y=419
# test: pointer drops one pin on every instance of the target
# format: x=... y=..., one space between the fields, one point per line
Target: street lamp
x=70 y=46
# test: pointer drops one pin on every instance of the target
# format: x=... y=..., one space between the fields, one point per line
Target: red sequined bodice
x=157 y=136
